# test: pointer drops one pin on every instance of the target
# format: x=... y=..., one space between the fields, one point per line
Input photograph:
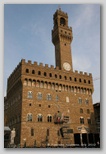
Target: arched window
x=80 y=100
x=55 y=75
x=86 y=101
x=25 y=82
x=33 y=71
x=72 y=89
x=29 y=117
x=79 y=80
x=65 y=77
x=81 y=120
x=49 y=118
x=39 y=72
x=39 y=95
x=60 y=77
x=40 y=117
x=49 y=97
x=89 y=121
x=27 y=70
x=50 y=74
x=29 y=94
x=89 y=82
x=62 y=21
x=45 y=74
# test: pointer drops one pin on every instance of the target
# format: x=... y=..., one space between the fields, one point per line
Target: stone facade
x=36 y=94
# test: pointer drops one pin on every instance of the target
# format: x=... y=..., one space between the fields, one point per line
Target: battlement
x=46 y=66
x=29 y=67
x=83 y=73
x=15 y=70
x=60 y=13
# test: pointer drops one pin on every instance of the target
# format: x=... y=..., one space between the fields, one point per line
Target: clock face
x=67 y=66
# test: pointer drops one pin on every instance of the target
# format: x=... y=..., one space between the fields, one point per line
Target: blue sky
x=27 y=35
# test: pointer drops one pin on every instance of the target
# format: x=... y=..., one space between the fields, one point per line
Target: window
x=33 y=71
x=65 y=77
x=32 y=132
x=66 y=119
x=81 y=110
x=49 y=118
x=48 y=106
x=84 y=81
x=50 y=74
x=89 y=121
x=49 y=97
x=29 y=94
x=72 y=89
x=27 y=70
x=75 y=79
x=41 y=84
x=45 y=74
x=39 y=73
x=86 y=101
x=40 y=118
x=60 y=77
x=29 y=117
x=57 y=97
x=88 y=111
x=55 y=75
x=39 y=96
x=39 y=105
x=62 y=21
x=70 y=78
x=79 y=80
x=81 y=120
x=80 y=100
x=88 y=81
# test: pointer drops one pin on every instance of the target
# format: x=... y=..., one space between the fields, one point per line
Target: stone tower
x=62 y=38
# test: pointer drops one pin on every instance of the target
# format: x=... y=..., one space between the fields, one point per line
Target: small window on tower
x=62 y=21
x=27 y=70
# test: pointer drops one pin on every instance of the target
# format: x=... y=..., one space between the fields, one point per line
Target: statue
x=12 y=136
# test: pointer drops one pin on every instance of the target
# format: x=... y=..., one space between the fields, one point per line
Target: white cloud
x=85 y=16
x=81 y=63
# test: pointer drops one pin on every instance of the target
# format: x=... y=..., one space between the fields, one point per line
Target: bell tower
x=62 y=38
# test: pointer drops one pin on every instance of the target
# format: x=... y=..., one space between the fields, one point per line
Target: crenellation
x=46 y=65
x=51 y=66
x=29 y=62
x=90 y=74
x=76 y=71
x=85 y=73
x=40 y=64
x=35 y=63
x=23 y=61
x=81 y=72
